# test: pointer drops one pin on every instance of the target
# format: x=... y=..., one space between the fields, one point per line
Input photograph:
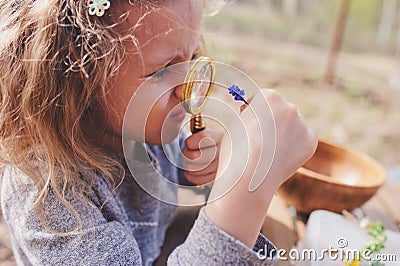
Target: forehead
x=166 y=29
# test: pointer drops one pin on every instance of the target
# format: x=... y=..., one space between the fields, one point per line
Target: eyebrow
x=162 y=62
x=159 y=64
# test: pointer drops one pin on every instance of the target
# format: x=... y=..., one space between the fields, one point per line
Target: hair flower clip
x=98 y=7
x=237 y=93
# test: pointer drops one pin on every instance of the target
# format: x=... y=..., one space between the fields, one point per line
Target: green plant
x=375 y=244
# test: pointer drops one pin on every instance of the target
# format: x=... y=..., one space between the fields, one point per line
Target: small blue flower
x=237 y=93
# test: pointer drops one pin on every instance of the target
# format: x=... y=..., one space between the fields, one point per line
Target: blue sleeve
x=181 y=173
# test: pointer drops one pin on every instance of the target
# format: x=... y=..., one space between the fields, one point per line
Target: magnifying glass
x=198 y=85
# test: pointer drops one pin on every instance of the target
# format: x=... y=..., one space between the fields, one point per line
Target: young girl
x=68 y=71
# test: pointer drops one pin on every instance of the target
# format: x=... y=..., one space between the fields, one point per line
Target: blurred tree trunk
x=386 y=23
x=290 y=8
x=337 y=41
x=398 y=42
x=394 y=78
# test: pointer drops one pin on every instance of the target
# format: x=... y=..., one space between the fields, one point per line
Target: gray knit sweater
x=115 y=230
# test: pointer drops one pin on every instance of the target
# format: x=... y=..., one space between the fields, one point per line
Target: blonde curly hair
x=55 y=61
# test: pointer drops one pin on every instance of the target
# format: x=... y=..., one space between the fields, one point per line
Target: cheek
x=159 y=127
x=147 y=113
x=114 y=108
x=117 y=97
x=158 y=114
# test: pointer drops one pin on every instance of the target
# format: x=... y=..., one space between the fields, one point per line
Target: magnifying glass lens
x=198 y=85
x=201 y=86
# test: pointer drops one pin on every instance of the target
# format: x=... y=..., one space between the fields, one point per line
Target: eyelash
x=164 y=71
x=161 y=73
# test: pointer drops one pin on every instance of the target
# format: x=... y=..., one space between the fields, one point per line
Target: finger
x=199 y=169
x=204 y=172
x=203 y=139
x=200 y=180
x=201 y=157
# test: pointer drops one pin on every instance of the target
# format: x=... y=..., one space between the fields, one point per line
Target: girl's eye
x=160 y=74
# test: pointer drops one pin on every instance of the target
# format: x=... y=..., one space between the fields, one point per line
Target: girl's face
x=166 y=35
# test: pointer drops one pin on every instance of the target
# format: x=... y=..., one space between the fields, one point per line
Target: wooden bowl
x=335 y=178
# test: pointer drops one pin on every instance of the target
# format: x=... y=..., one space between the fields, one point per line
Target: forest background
x=287 y=44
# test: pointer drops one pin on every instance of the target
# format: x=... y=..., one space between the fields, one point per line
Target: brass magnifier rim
x=189 y=83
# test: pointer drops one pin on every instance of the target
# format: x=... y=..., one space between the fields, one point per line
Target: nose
x=180 y=71
x=178 y=92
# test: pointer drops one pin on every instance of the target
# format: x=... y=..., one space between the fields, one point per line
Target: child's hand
x=201 y=156
x=284 y=138
x=295 y=142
